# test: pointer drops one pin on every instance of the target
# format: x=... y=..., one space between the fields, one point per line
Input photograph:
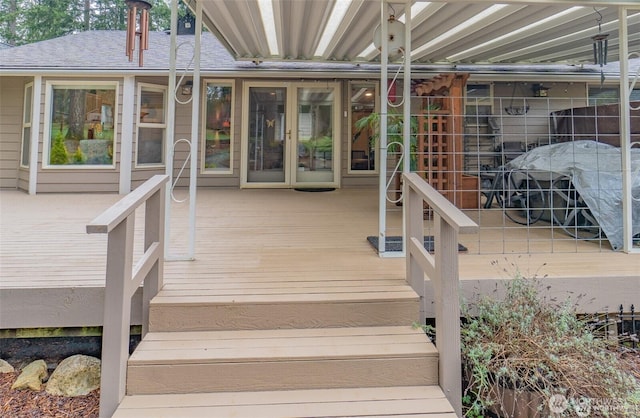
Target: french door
x=290 y=135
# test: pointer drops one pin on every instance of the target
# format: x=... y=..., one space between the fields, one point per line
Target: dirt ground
x=31 y=404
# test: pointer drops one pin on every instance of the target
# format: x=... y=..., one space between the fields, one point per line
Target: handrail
x=442 y=270
x=123 y=279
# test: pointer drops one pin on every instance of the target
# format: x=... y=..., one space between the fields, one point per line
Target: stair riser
x=285 y=375
x=218 y=317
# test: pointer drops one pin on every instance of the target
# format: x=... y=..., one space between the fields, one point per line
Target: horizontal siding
x=11 y=102
x=534 y=125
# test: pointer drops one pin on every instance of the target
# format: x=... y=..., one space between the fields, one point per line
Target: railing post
x=442 y=270
x=117 y=317
x=123 y=280
x=447 y=295
x=415 y=228
x=154 y=232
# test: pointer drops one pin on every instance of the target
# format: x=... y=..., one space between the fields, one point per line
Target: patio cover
x=452 y=32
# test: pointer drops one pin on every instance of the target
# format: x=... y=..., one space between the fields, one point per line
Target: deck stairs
x=322 y=351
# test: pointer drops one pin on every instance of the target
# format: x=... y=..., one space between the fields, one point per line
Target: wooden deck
x=266 y=245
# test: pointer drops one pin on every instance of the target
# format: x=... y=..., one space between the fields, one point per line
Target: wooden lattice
x=440 y=135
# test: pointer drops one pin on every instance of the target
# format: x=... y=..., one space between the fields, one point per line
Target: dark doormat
x=314 y=189
x=395 y=243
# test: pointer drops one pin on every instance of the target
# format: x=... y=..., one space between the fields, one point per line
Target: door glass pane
x=363 y=103
x=314 y=149
x=266 y=151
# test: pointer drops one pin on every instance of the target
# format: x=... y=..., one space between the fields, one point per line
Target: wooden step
x=282 y=304
x=255 y=360
x=414 y=401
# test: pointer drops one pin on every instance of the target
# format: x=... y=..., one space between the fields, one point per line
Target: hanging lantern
x=137 y=27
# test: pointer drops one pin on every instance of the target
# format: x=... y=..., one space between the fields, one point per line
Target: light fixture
x=187 y=88
x=137 y=28
x=517 y=110
x=539 y=90
x=395 y=37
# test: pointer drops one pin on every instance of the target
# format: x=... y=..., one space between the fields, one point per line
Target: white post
x=36 y=99
x=406 y=94
x=382 y=198
x=126 y=137
x=195 y=137
x=625 y=132
x=171 y=121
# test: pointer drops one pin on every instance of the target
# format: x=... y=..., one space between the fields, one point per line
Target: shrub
x=540 y=352
x=59 y=154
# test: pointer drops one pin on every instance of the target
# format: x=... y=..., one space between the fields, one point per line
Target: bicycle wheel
x=522 y=198
x=571 y=213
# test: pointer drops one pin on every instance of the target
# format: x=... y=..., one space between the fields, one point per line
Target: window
x=606 y=95
x=478 y=103
x=26 y=125
x=362 y=104
x=151 y=125
x=218 y=127
x=81 y=124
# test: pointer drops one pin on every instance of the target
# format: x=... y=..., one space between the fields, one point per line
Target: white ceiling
x=453 y=32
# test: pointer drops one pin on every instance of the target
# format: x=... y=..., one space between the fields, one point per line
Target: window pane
x=150 y=149
x=602 y=95
x=362 y=140
x=26 y=140
x=82 y=127
x=152 y=107
x=28 y=92
x=217 y=145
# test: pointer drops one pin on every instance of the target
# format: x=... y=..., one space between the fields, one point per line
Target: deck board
x=423 y=401
x=273 y=243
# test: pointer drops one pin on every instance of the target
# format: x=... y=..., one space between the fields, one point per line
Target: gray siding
x=11 y=102
x=534 y=126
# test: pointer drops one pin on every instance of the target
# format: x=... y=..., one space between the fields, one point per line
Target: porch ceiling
x=457 y=31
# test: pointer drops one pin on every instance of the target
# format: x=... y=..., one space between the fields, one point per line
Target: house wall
x=11 y=103
x=533 y=127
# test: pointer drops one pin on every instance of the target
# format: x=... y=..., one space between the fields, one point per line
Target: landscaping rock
x=77 y=375
x=32 y=376
x=6 y=367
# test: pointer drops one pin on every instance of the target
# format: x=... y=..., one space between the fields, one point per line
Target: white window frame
x=350 y=122
x=46 y=148
x=157 y=125
x=203 y=135
x=28 y=101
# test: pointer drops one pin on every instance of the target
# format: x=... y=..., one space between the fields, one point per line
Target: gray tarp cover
x=595 y=170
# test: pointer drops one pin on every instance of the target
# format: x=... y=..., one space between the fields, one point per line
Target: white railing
x=123 y=279
x=442 y=270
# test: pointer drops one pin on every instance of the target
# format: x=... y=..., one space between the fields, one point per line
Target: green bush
x=59 y=154
x=540 y=350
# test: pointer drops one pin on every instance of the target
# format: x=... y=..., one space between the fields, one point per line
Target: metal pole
x=625 y=129
x=170 y=130
x=382 y=198
x=406 y=94
x=195 y=137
